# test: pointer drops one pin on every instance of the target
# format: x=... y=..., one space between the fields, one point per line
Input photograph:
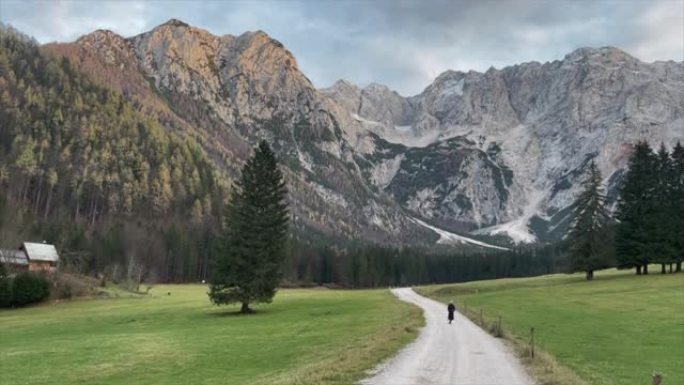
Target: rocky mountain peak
x=345 y=94
x=342 y=86
x=603 y=54
x=447 y=77
x=100 y=35
x=253 y=51
x=377 y=88
x=260 y=36
x=242 y=79
x=380 y=103
x=342 y=83
x=259 y=50
x=113 y=48
x=175 y=23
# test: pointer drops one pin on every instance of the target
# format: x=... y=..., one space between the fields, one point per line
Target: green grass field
x=304 y=337
x=616 y=330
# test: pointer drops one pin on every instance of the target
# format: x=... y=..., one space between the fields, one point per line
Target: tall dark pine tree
x=249 y=266
x=635 y=204
x=588 y=236
x=661 y=217
x=677 y=223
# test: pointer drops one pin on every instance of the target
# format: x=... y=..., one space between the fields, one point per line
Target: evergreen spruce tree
x=249 y=266
x=660 y=219
x=590 y=246
x=635 y=204
x=677 y=222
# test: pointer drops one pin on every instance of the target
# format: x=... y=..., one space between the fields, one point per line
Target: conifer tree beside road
x=248 y=268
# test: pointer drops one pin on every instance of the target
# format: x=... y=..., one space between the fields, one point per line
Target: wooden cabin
x=31 y=256
x=41 y=256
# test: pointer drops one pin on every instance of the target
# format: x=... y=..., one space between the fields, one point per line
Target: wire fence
x=495 y=327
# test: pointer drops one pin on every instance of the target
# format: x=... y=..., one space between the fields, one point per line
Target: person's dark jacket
x=451 y=309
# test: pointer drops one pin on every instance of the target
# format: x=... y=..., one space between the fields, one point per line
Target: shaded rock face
x=474 y=150
x=525 y=134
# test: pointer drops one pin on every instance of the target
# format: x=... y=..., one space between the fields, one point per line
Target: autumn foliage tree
x=77 y=160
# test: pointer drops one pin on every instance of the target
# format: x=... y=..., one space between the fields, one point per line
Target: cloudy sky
x=404 y=44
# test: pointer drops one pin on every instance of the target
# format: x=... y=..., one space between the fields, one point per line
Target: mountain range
x=483 y=159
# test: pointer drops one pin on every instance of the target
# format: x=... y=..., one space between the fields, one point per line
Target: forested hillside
x=81 y=165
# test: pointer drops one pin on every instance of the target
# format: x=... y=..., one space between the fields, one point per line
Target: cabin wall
x=40 y=266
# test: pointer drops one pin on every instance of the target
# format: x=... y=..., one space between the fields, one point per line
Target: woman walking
x=451 y=308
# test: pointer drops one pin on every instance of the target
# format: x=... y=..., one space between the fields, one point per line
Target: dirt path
x=443 y=354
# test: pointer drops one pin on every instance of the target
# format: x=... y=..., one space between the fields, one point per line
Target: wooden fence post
x=532 y=341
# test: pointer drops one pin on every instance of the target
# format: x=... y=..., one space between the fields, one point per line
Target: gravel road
x=443 y=354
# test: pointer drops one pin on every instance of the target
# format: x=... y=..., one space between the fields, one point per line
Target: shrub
x=64 y=291
x=66 y=286
x=5 y=292
x=29 y=288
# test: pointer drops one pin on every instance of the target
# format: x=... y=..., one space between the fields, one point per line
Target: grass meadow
x=306 y=336
x=615 y=330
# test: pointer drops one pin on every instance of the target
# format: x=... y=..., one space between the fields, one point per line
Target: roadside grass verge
x=616 y=330
x=306 y=336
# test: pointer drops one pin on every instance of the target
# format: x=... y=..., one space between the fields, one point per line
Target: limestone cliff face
x=533 y=128
x=495 y=152
x=250 y=76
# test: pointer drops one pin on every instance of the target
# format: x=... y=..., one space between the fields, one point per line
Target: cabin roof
x=13 y=257
x=40 y=252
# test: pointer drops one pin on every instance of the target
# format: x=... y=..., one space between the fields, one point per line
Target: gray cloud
x=401 y=43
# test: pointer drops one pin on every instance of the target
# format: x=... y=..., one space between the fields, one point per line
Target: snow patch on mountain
x=404 y=129
x=305 y=160
x=366 y=121
x=449 y=238
x=403 y=135
x=412 y=140
x=518 y=229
